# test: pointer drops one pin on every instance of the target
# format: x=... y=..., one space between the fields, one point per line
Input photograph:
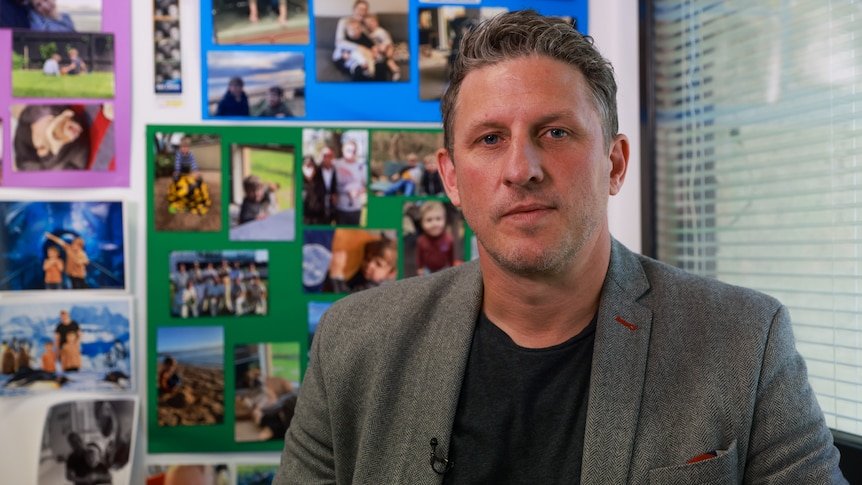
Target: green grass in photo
x=277 y=167
x=285 y=360
x=34 y=84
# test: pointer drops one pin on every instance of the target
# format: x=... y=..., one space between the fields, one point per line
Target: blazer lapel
x=619 y=366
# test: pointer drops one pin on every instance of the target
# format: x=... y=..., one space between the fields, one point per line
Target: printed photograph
x=63 y=137
x=215 y=283
x=166 y=34
x=190 y=377
x=62 y=245
x=262 y=189
x=267 y=381
x=440 y=32
x=258 y=84
x=72 y=345
x=334 y=190
x=405 y=163
x=62 y=65
x=255 y=474
x=188 y=474
x=89 y=442
x=260 y=22
x=433 y=237
x=53 y=15
x=187 y=184
x=348 y=260
x=362 y=42
x=316 y=309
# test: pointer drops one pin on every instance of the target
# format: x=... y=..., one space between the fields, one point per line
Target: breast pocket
x=720 y=470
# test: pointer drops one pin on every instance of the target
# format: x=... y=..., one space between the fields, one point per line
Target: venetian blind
x=759 y=166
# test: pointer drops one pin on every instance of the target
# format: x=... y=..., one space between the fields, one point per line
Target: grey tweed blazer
x=682 y=365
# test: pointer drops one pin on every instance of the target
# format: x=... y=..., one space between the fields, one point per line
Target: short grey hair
x=526 y=33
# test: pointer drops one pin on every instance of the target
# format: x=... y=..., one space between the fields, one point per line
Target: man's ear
x=619 y=158
x=447 y=174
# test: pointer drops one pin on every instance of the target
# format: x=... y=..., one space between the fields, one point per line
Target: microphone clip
x=438 y=464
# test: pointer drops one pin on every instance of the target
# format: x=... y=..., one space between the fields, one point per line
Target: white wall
x=614 y=25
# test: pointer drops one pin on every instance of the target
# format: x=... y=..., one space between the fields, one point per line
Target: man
x=273 y=106
x=67 y=339
x=320 y=197
x=560 y=356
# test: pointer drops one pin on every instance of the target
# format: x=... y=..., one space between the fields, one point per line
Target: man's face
x=533 y=177
x=273 y=98
x=326 y=157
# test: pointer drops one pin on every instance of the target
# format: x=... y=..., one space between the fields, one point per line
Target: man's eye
x=557 y=133
x=490 y=139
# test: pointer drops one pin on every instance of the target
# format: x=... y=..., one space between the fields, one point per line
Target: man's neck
x=539 y=311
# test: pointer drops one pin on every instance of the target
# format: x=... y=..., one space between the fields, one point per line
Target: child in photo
x=357 y=53
x=273 y=106
x=435 y=247
x=235 y=101
x=254 y=202
x=51 y=137
x=76 y=64
x=44 y=16
x=185 y=162
x=379 y=265
x=49 y=358
x=70 y=353
x=383 y=48
x=52 y=65
x=53 y=267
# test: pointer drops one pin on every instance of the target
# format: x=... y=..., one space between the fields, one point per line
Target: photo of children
x=189 y=383
x=254 y=84
x=187 y=186
x=52 y=15
x=348 y=260
x=214 y=283
x=361 y=43
x=73 y=345
x=255 y=474
x=262 y=193
x=267 y=382
x=405 y=163
x=437 y=51
x=433 y=237
x=86 y=65
x=188 y=474
x=88 y=442
x=63 y=137
x=88 y=237
x=349 y=149
x=260 y=22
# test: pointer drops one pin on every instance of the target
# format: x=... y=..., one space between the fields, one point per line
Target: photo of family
x=190 y=377
x=262 y=206
x=260 y=22
x=187 y=184
x=348 y=260
x=258 y=84
x=52 y=15
x=335 y=177
x=88 y=442
x=62 y=245
x=63 y=137
x=73 y=345
x=62 y=65
x=360 y=43
x=405 y=163
x=433 y=237
x=267 y=383
x=214 y=283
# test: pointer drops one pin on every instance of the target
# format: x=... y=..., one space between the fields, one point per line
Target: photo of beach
x=190 y=376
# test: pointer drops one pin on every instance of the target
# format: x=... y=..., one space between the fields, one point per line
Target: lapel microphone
x=438 y=464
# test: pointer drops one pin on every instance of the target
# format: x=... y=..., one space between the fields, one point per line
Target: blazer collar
x=619 y=367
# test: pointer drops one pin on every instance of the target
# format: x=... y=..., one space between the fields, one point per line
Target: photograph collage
x=251 y=241
x=68 y=118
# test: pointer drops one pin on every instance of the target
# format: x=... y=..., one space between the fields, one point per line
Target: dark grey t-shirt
x=521 y=412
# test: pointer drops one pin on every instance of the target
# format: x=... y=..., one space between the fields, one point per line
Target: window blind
x=758 y=163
